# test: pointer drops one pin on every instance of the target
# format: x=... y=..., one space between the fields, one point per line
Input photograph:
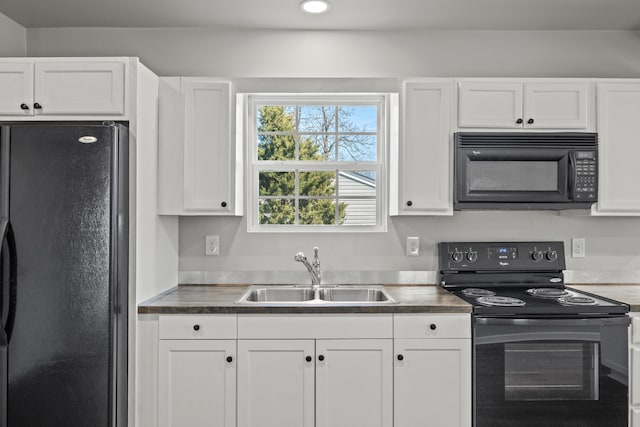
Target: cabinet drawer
x=432 y=326
x=635 y=417
x=635 y=330
x=635 y=376
x=183 y=327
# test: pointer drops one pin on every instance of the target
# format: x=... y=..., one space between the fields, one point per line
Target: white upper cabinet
x=421 y=161
x=561 y=104
x=16 y=88
x=199 y=172
x=60 y=88
x=618 y=112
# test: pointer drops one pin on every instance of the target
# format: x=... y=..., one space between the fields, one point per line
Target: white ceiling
x=343 y=14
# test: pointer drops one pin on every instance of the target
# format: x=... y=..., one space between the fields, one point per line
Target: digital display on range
x=503 y=252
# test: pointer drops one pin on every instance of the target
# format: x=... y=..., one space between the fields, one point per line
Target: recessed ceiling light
x=314 y=6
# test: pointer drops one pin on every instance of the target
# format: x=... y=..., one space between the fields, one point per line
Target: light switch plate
x=212 y=245
x=413 y=246
x=578 y=248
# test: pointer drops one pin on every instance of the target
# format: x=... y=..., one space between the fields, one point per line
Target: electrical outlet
x=413 y=246
x=212 y=245
x=578 y=248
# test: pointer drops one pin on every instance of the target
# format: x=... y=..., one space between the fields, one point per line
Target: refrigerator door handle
x=4 y=339
x=8 y=280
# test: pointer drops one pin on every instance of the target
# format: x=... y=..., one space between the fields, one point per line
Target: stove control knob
x=552 y=256
x=457 y=256
x=537 y=256
x=472 y=256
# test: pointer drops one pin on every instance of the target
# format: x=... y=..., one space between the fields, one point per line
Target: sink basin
x=355 y=295
x=296 y=295
x=276 y=294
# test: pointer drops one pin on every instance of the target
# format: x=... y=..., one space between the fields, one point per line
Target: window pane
x=357 y=183
x=358 y=211
x=360 y=118
x=276 y=147
x=357 y=148
x=317 y=183
x=317 y=147
x=277 y=183
x=276 y=118
x=317 y=118
x=276 y=211
x=318 y=212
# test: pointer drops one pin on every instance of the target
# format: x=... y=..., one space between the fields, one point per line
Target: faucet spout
x=314 y=270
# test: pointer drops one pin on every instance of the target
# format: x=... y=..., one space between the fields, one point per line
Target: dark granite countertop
x=194 y=299
x=628 y=293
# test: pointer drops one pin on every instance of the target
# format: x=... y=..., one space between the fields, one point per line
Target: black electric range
x=516 y=278
x=543 y=354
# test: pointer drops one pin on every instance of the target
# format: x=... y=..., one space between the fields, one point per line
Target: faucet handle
x=316 y=260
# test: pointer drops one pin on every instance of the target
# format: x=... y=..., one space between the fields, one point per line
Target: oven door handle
x=600 y=321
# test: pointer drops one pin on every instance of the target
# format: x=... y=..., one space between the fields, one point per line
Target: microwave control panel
x=586 y=180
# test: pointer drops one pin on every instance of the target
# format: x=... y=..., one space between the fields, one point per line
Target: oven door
x=551 y=372
x=513 y=175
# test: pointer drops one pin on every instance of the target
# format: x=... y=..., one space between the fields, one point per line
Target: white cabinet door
x=432 y=382
x=635 y=376
x=207 y=146
x=635 y=418
x=198 y=171
x=618 y=111
x=354 y=383
x=276 y=383
x=490 y=104
x=421 y=160
x=556 y=105
x=525 y=104
x=80 y=88
x=197 y=383
x=16 y=88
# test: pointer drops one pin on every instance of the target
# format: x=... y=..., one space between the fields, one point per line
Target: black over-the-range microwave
x=518 y=171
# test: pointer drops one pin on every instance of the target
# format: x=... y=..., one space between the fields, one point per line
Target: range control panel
x=501 y=256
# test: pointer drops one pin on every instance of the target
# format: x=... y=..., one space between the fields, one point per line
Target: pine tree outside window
x=317 y=162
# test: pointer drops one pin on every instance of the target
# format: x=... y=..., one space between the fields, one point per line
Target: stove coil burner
x=499 y=301
x=548 y=292
x=577 y=300
x=477 y=292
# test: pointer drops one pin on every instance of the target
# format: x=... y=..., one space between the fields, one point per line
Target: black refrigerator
x=64 y=270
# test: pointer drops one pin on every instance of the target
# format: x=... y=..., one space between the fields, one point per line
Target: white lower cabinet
x=634 y=371
x=197 y=370
x=276 y=383
x=347 y=382
x=197 y=383
x=354 y=383
x=314 y=370
x=432 y=370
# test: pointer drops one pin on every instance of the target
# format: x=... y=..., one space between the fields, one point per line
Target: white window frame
x=385 y=121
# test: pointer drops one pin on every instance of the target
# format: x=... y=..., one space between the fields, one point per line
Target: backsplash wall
x=611 y=243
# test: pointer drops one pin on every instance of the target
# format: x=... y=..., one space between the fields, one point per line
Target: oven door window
x=554 y=374
x=551 y=371
x=513 y=175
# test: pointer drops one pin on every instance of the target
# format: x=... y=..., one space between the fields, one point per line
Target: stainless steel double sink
x=303 y=295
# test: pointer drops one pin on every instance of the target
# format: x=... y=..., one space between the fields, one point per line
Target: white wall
x=13 y=37
x=270 y=53
x=612 y=243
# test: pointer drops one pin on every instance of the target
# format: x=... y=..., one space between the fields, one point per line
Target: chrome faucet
x=313 y=269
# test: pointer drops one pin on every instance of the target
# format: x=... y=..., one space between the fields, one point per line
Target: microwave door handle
x=572 y=176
